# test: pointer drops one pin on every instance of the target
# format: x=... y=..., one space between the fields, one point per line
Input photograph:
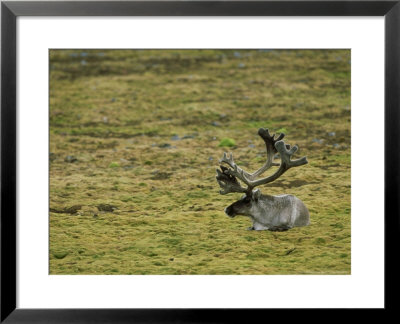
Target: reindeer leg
x=259 y=227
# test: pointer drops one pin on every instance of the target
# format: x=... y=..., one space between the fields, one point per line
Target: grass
x=143 y=129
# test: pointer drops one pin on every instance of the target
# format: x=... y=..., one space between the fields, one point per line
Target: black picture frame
x=10 y=10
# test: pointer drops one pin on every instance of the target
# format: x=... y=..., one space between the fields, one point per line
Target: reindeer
x=274 y=213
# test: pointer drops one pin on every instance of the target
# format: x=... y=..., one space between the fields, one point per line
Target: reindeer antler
x=228 y=182
x=271 y=150
x=227 y=179
x=286 y=164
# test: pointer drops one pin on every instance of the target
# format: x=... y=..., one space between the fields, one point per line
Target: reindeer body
x=274 y=213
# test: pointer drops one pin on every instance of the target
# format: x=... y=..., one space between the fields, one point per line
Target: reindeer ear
x=256 y=194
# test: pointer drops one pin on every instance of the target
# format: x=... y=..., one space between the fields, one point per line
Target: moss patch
x=227 y=142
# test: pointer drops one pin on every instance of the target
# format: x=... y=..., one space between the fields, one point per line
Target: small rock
x=241 y=65
x=210 y=158
x=175 y=138
x=113 y=99
x=161 y=175
x=216 y=124
x=336 y=146
x=70 y=159
x=105 y=120
x=67 y=210
x=52 y=156
x=237 y=54
x=252 y=146
x=332 y=134
x=165 y=145
x=106 y=207
x=316 y=140
x=73 y=209
x=188 y=136
x=83 y=62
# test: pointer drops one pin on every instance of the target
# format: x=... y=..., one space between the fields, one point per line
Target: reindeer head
x=247 y=205
x=228 y=176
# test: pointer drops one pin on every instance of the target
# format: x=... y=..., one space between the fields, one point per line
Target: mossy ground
x=134 y=144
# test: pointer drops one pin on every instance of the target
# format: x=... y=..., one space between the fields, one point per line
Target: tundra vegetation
x=135 y=139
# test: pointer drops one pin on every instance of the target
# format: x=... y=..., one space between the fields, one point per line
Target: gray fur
x=274 y=213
